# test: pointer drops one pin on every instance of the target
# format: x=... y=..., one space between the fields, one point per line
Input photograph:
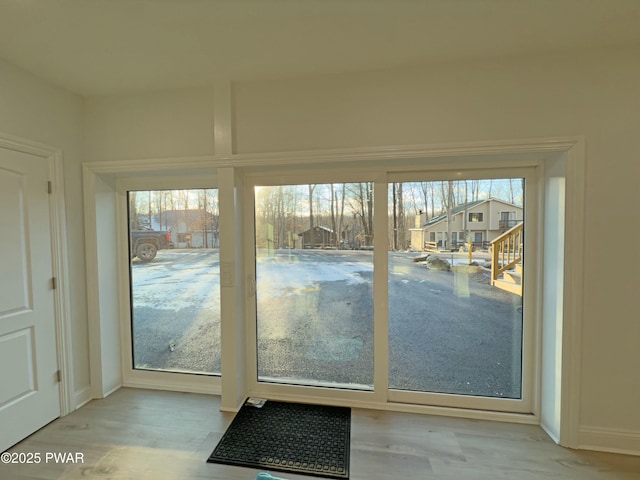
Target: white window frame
x=138 y=378
x=381 y=394
x=531 y=300
x=283 y=391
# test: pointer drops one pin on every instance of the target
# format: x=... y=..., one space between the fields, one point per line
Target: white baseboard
x=609 y=440
x=81 y=398
x=112 y=390
x=551 y=432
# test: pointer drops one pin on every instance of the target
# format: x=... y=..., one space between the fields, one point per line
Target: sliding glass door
x=440 y=291
x=456 y=290
x=314 y=278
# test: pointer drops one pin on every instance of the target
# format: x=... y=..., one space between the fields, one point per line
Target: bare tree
x=399 y=227
x=363 y=209
x=311 y=189
x=432 y=195
x=133 y=212
x=427 y=192
x=341 y=216
x=337 y=211
x=511 y=195
x=446 y=189
x=395 y=217
x=149 y=210
x=475 y=190
x=466 y=215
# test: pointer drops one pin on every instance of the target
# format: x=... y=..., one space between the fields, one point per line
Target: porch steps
x=506 y=260
x=511 y=280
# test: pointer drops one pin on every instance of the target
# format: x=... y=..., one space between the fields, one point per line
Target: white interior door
x=29 y=387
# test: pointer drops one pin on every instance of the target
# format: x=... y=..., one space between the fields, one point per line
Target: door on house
x=477 y=239
x=29 y=392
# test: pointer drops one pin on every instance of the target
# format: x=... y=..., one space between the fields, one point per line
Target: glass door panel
x=314 y=284
x=175 y=281
x=455 y=295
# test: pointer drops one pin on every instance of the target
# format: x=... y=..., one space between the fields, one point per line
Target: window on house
x=508 y=219
x=476 y=217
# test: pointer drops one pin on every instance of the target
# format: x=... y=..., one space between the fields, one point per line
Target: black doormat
x=288 y=437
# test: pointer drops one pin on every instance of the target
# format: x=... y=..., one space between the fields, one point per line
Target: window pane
x=175 y=288
x=314 y=278
x=455 y=324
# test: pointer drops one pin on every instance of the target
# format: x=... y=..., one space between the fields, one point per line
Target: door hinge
x=49 y=187
x=54 y=283
x=59 y=376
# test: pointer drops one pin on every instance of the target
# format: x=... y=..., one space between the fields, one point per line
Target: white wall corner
x=609 y=440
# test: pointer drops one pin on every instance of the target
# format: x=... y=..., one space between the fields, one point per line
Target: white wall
x=37 y=111
x=592 y=94
x=154 y=125
x=475 y=101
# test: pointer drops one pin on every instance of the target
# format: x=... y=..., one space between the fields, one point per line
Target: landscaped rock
x=421 y=258
x=435 y=263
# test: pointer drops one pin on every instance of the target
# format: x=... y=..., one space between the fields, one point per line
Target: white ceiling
x=98 y=47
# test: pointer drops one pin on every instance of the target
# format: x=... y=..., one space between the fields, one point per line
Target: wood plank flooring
x=144 y=434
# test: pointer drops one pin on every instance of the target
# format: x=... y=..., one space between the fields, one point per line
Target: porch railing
x=431 y=246
x=507 y=251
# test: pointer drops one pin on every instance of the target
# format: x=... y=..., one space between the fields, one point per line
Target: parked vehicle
x=145 y=244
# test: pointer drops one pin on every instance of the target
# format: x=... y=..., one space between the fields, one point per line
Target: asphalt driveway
x=448 y=332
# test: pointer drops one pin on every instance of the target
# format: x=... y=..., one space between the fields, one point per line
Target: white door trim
x=435 y=156
x=53 y=156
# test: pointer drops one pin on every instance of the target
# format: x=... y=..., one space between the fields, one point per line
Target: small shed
x=318 y=237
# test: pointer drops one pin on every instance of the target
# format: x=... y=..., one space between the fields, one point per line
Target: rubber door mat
x=288 y=437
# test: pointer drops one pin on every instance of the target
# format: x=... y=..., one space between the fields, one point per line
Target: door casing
x=52 y=158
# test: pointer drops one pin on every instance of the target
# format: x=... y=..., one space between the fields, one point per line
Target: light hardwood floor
x=144 y=434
